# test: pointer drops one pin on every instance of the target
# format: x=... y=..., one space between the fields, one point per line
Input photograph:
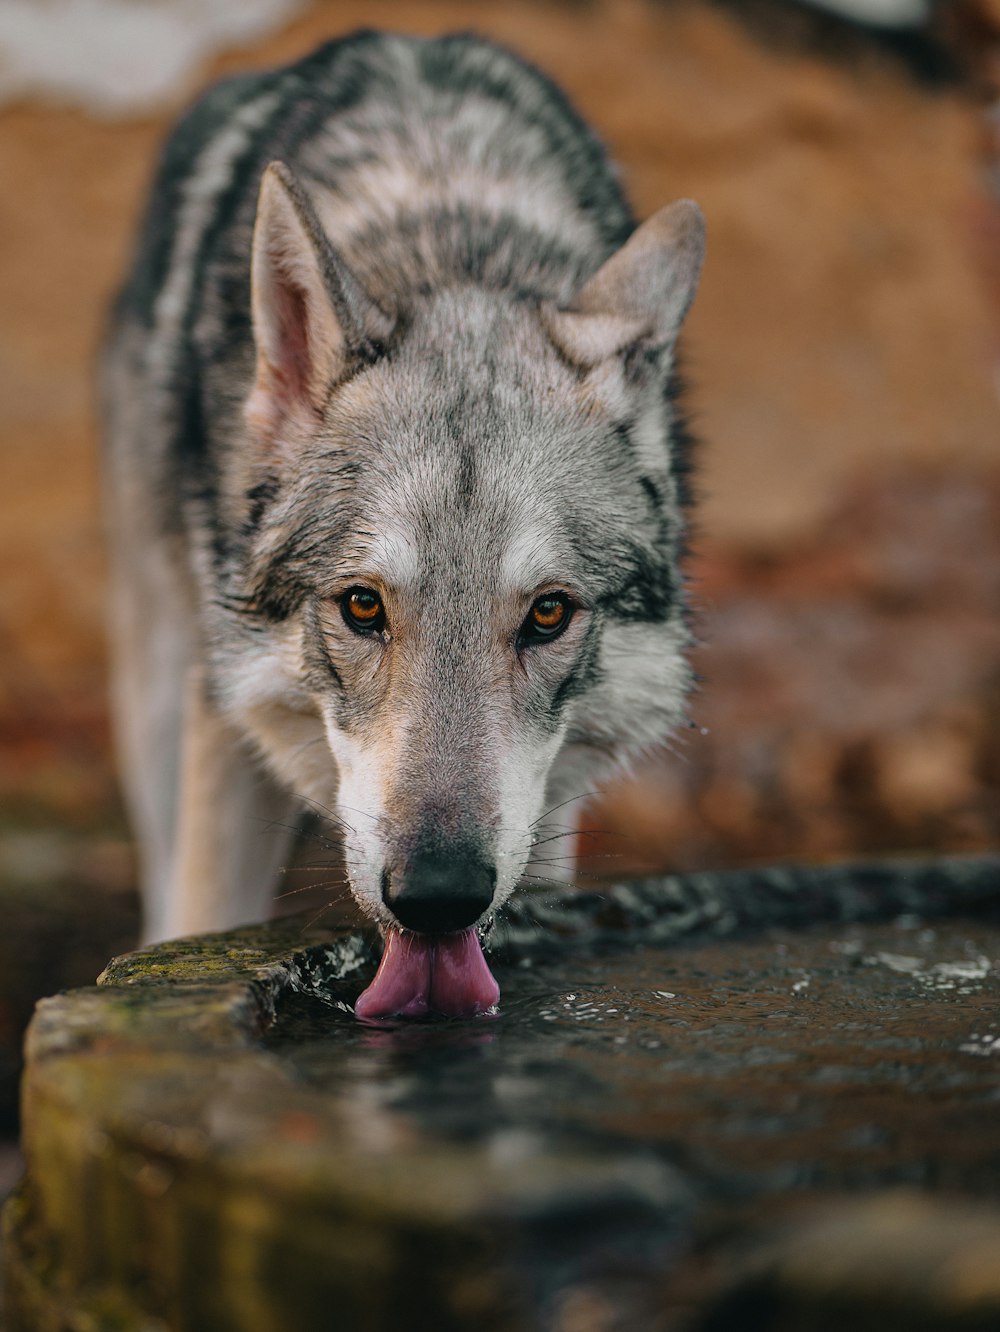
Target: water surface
x=841 y=1057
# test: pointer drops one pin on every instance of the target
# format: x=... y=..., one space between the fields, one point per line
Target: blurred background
x=844 y=364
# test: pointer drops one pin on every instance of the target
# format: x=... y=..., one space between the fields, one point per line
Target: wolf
x=397 y=489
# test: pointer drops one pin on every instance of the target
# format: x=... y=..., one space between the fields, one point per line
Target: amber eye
x=547 y=618
x=362 y=610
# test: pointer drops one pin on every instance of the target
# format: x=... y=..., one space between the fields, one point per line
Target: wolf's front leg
x=235 y=828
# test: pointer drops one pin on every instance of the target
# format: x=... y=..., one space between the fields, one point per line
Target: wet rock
x=672 y=907
x=894 y=1260
x=213 y=1141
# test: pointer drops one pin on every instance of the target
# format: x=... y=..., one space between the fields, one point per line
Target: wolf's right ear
x=311 y=320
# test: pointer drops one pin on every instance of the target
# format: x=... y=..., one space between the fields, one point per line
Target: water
x=823 y=1060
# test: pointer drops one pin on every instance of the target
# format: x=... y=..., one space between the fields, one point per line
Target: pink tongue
x=422 y=973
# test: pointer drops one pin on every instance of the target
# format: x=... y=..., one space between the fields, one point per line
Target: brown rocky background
x=844 y=361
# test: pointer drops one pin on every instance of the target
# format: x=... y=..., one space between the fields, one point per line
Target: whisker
x=322 y=865
x=603 y=855
x=542 y=880
x=587 y=795
x=573 y=832
x=334 y=815
x=339 y=884
x=324 y=811
x=308 y=888
x=304 y=833
x=319 y=914
x=265 y=824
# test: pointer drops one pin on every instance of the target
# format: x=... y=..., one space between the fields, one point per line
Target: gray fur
x=440 y=388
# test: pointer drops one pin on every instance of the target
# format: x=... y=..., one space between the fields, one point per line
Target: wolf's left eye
x=362 y=610
x=547 y=618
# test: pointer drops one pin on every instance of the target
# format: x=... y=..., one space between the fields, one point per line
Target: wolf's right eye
x=362 y=610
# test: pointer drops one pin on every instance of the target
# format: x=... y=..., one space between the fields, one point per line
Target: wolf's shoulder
x=366 y=68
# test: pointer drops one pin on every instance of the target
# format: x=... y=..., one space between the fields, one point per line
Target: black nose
x=438 y=893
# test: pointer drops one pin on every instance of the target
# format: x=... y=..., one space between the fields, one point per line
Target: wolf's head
x=464 y=525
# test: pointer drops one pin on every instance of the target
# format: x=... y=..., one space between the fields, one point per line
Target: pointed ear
x=640 y=295
x=311 y=321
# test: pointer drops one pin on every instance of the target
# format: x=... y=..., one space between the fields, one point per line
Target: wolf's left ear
x=311 y=320
x=640 y=295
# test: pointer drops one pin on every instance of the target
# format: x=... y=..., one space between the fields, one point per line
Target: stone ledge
x=180 y=1177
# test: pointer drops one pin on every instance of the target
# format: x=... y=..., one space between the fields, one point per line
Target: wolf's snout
x=438 y=893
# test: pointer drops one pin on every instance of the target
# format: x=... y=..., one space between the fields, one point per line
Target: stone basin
x=639 y=1139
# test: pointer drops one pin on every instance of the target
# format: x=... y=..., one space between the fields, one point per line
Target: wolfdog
x=397 y=486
